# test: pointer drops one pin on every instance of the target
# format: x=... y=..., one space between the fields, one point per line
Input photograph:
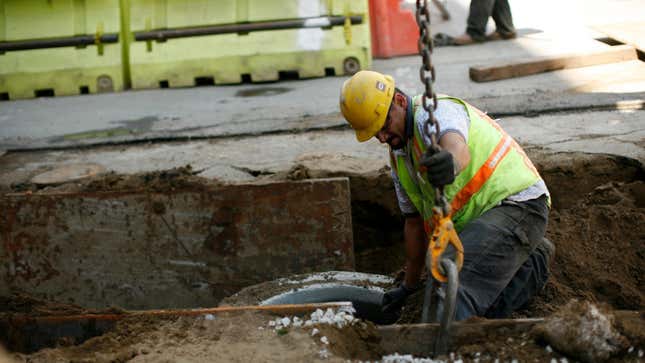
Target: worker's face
x=393 y=130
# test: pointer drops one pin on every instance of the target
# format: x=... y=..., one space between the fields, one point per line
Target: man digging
x=500 y=203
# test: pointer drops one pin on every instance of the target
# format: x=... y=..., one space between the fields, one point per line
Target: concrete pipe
x=365 y=291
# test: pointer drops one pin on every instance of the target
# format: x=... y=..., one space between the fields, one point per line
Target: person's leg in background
x=478 y=14
x=503 y=18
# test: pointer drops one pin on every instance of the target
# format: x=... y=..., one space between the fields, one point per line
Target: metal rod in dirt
x=278 y=309
x=75 y=41
x=320 y=22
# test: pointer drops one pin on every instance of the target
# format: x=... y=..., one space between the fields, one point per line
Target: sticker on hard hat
x=380 y=86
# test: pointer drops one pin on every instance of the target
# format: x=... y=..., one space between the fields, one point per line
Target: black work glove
x=440 y=167
x=394 y=299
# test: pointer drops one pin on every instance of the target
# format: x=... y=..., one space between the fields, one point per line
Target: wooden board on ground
x=528 y=66
x=418 y=339
x=629 y=33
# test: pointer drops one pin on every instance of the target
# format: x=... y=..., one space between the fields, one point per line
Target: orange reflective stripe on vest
x=481 y=176
x=516 y=146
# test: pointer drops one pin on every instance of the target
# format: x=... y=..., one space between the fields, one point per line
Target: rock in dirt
x=68 y=173
x=583 y=331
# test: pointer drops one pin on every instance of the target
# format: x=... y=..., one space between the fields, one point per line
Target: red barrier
x=394 y=30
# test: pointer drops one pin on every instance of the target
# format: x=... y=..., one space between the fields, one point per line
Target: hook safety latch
x=444 y=233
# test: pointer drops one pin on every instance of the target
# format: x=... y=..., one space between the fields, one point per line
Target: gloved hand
x=394 y=299
x=440 y=167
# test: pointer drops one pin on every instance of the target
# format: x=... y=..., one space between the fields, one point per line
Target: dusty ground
x=596 y=224
x=244 y=337
x=183 y=177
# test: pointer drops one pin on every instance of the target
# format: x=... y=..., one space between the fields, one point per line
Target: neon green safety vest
x=498 y=168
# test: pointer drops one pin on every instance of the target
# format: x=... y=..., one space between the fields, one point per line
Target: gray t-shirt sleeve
x=451 y=116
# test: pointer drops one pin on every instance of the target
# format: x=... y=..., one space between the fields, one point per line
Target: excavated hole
x=597 y=202
x=596 y=224
x=570 y=177
x=595 y=221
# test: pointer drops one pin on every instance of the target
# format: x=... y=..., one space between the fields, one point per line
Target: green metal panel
x=34 y=19
x=160 y=14
x=63 y=71
x=262 y=55
x=341 y=7
x=260 y=10
x=177 y=62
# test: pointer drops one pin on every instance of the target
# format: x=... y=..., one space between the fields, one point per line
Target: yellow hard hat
x=365 y=100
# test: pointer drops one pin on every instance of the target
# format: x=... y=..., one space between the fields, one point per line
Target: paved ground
x=248 y=129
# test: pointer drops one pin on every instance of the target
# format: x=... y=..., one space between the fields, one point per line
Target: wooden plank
x=286 y=309
x=418 y=339
x=629 y=33
x=528 y=66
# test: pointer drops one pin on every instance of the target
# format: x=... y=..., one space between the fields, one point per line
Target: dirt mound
x=599 y=250
x=172 y=179
x=251 y=336
x=21 y=303
x=244 y=337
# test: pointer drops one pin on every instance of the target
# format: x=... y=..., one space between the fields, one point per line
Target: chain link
x=427 y=76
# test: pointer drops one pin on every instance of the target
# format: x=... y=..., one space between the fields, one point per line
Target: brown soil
x=597 y=224
x=21 y=303
x=178 y=178
x=246 y=337
x=242 y=337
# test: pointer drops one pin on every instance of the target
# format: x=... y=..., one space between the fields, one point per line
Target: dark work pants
x=481 y=10
x=506 y=259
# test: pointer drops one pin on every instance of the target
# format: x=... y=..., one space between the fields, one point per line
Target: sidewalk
x=312 y=104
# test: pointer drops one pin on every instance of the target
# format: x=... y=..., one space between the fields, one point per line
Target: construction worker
x=500 y=203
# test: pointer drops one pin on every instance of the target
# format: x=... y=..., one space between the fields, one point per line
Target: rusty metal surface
x=179 y=249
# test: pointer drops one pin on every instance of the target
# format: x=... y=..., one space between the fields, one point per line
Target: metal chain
x=427 y=76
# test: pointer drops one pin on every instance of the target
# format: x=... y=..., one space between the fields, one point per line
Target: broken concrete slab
x=176 y=248
x=67 y=173
x=619 y=133
x=332 y=152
